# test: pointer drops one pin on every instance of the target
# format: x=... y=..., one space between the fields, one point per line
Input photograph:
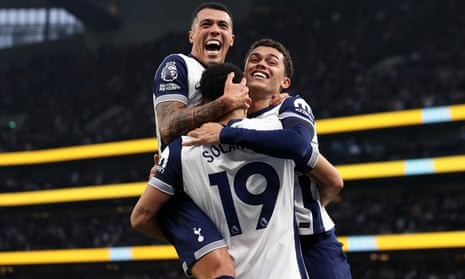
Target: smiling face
x=211 y=36
x=265 y=71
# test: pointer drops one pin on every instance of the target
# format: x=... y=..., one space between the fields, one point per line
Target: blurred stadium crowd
x=349 y=59
x=392 y=56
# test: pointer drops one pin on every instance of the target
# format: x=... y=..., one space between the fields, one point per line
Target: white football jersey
x=312 y=217
x=248 y=195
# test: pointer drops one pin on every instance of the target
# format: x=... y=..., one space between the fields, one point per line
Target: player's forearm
x=328 y=179
x=175 y=122
x=153 y=230
x=289 y=143
x=327 y=192
x=146 y=225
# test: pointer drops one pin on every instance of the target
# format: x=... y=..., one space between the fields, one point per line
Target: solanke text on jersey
x=214 y=151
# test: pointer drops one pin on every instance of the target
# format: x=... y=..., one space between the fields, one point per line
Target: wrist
x=226 y=103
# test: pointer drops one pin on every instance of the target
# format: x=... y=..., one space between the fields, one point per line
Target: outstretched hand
x=208 y=133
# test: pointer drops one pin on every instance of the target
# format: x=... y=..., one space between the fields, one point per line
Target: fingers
x=192 y=133
x=248 y=102
x=153 y=170
x=229 y=79
x=190 y=142
x=156 y=157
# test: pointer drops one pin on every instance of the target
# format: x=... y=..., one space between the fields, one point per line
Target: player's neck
x=259 y=104
x=261 y=99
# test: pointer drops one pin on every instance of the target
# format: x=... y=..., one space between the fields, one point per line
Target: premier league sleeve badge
x=169 y=71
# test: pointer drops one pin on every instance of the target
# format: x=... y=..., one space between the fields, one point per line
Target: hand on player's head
x=237 y=93
x=225 y=81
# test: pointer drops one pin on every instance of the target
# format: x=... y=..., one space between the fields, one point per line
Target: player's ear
x=190 y=36
x=232 y=40
x=286 y=83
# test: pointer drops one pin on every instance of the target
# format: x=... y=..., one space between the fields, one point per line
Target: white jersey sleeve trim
x=170 y=98
x=162 y=186
x=210 y=247
x=313 y=159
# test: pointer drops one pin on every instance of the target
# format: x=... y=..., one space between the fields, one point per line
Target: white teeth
x=216 y=43
x=258 y=74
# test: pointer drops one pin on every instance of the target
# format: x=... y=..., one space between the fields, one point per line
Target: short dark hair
x=288 y=65
x=213 y=6
x=214 y=77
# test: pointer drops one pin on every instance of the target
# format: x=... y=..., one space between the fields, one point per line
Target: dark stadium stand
x=351 y=57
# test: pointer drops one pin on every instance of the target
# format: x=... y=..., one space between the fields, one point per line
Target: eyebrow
x=274 y=55
x=210 y=20
x=268 y=54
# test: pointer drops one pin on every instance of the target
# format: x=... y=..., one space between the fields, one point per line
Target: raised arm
x=176 y=119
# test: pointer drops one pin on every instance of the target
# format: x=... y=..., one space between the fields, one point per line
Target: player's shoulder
x=181 y=58
x=175 y=57
x=297 y=104
x=171 y=153
x=183 y=62
x=295 y=99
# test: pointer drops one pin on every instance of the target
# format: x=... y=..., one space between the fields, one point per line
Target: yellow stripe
x=55 y=256
x=79 y=152
x=345 y=242
x=369 y=121
x=421 y=241
x=413 y=241
x=449 y=164
x=372 y=170
x=458 y=112
x=110 y=191
x=137 y=253
x=159 y=252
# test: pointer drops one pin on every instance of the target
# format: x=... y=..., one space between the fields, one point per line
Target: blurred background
x=77 y=73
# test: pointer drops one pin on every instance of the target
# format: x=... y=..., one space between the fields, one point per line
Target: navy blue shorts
x=189 y=230
x=323 y=256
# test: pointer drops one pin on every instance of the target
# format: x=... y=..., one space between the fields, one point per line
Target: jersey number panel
x=267 y=198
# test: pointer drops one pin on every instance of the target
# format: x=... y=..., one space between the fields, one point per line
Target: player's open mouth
x=260 y=75
x=212 y=46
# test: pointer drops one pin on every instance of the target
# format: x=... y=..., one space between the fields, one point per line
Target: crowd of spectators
x=392 y=56
x=349 y=59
